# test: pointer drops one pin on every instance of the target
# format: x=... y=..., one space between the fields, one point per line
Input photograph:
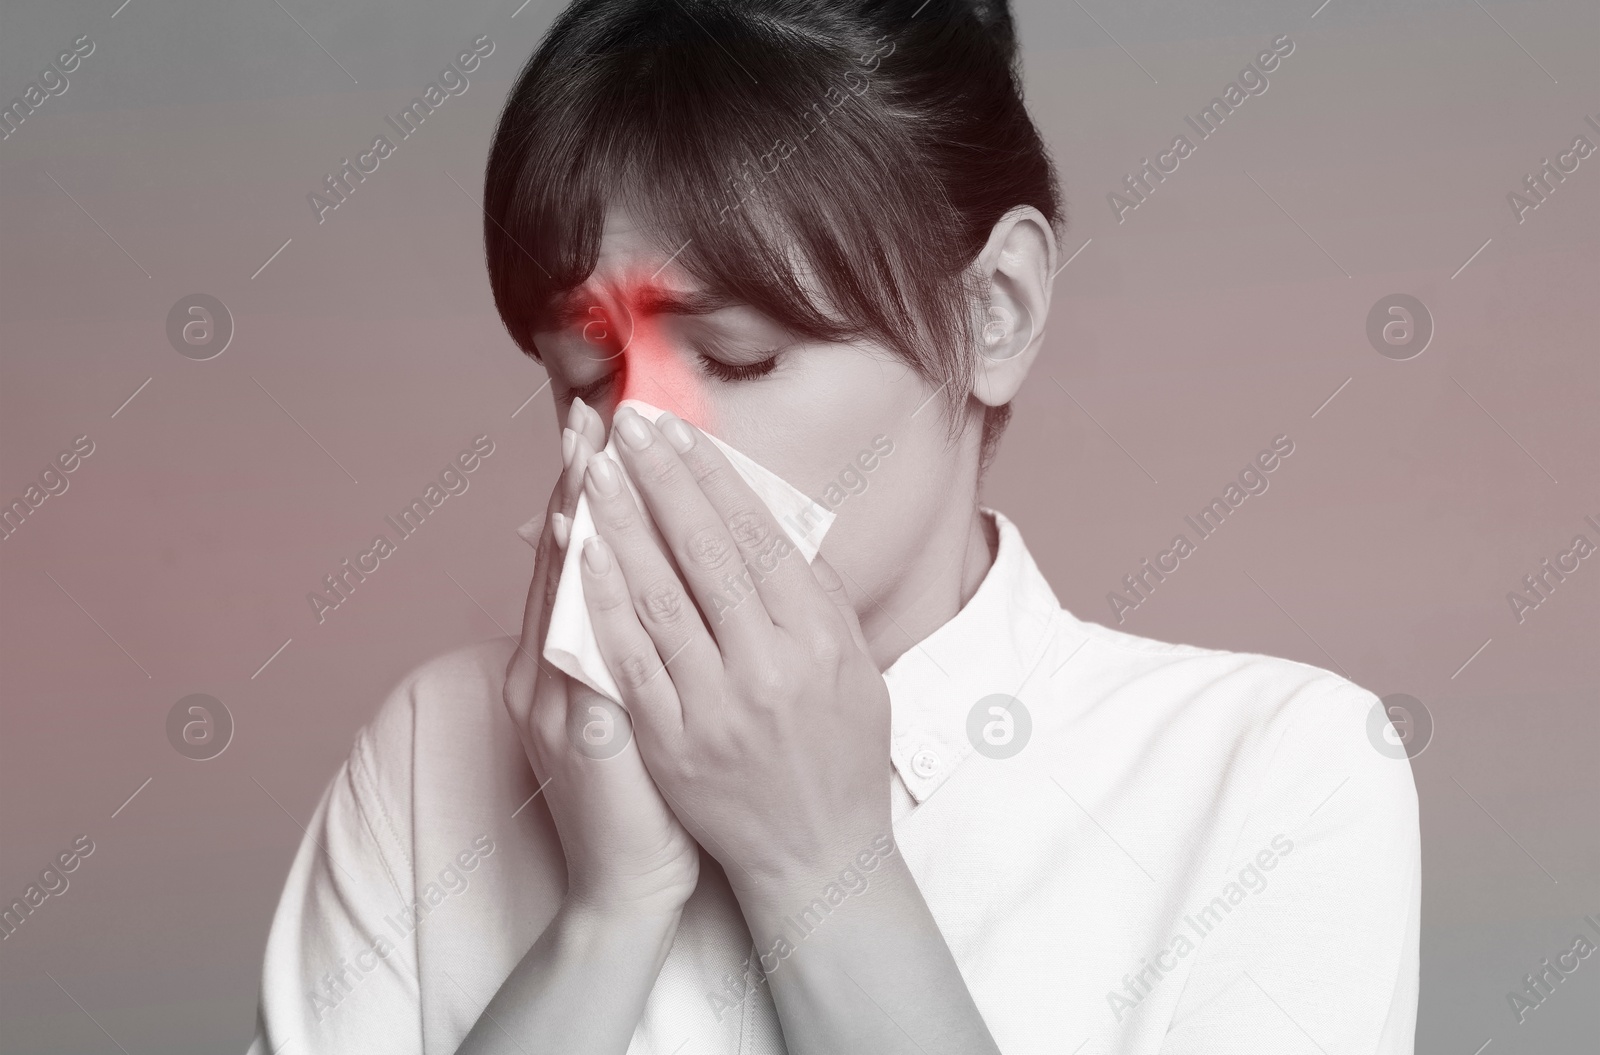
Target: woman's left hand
x=765 y=723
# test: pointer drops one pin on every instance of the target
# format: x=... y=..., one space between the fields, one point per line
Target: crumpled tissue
x=570 y=642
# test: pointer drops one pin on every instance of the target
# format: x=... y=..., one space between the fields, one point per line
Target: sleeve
x=1320 y=954
x=340 y=974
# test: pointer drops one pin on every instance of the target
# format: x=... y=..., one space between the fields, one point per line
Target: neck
x=939 y=579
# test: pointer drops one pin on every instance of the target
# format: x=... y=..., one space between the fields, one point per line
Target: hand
x=624 y=848
x=768 y=728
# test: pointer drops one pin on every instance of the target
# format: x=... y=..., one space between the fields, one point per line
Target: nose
x=658 y=367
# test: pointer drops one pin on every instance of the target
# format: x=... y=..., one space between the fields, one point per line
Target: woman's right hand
x=625 y=849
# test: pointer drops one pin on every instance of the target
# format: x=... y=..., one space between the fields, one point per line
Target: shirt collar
x=991 y=646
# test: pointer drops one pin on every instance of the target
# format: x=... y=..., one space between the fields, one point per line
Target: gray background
x=1224 y=311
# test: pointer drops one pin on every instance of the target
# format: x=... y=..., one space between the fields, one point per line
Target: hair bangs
x=835 y=167
x=715 y=146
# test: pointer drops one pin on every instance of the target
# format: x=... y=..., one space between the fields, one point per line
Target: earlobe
x=1003 y=363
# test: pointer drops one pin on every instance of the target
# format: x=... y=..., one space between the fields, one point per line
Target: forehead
x=633 y=254
x=640 y=270
x=635 y=277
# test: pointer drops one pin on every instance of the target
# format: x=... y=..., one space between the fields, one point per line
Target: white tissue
x=570 y=642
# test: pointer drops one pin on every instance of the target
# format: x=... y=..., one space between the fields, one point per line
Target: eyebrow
x=575 y=306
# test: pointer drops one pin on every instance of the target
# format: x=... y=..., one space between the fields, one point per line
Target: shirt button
x=925 y=763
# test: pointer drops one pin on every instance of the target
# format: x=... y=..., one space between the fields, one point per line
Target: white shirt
x=1192 y=851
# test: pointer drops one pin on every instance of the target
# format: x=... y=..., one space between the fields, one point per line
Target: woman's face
x=851 y=425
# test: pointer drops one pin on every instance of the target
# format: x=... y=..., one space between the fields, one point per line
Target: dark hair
x=688 y=111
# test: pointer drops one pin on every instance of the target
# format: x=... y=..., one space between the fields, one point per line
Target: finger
x=525 y=670
x=527 y=673
x=576 y=452
x=549 y=536
x=577 y=447
x=522 y=671
x=787 y=591
x=546 y=569
x=663 y=606
x=583 y=434
x=834 y=587
x=586 y=422
x=630 y=654
x=713 y=563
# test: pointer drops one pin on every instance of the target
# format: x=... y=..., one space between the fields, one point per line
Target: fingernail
x=562 y=527
x=569 y=443
x=676 y=431
x=634 y=431
x=603 y=472
x=597 y=556
x=578 y=417
x=529 y=532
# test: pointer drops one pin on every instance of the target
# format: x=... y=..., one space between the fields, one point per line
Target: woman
x=891 y=800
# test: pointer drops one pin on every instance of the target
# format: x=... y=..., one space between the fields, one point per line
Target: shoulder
x=459 y=690
x=1282 y=721
x=462 y=675
x=465 y=681
x=1232 y=688
x=1278 y=786
x=1244 y=684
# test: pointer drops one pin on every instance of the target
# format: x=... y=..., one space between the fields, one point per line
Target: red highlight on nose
x=654 y=368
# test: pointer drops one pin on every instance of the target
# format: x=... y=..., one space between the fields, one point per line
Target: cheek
x=807 y=422
x=878 y=534
x=810 y=428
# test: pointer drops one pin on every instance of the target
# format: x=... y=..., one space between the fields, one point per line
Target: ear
x=1015 y=269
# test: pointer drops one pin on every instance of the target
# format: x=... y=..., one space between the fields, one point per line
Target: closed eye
x=731 y=373
x=734 y=372
x=590 y=393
